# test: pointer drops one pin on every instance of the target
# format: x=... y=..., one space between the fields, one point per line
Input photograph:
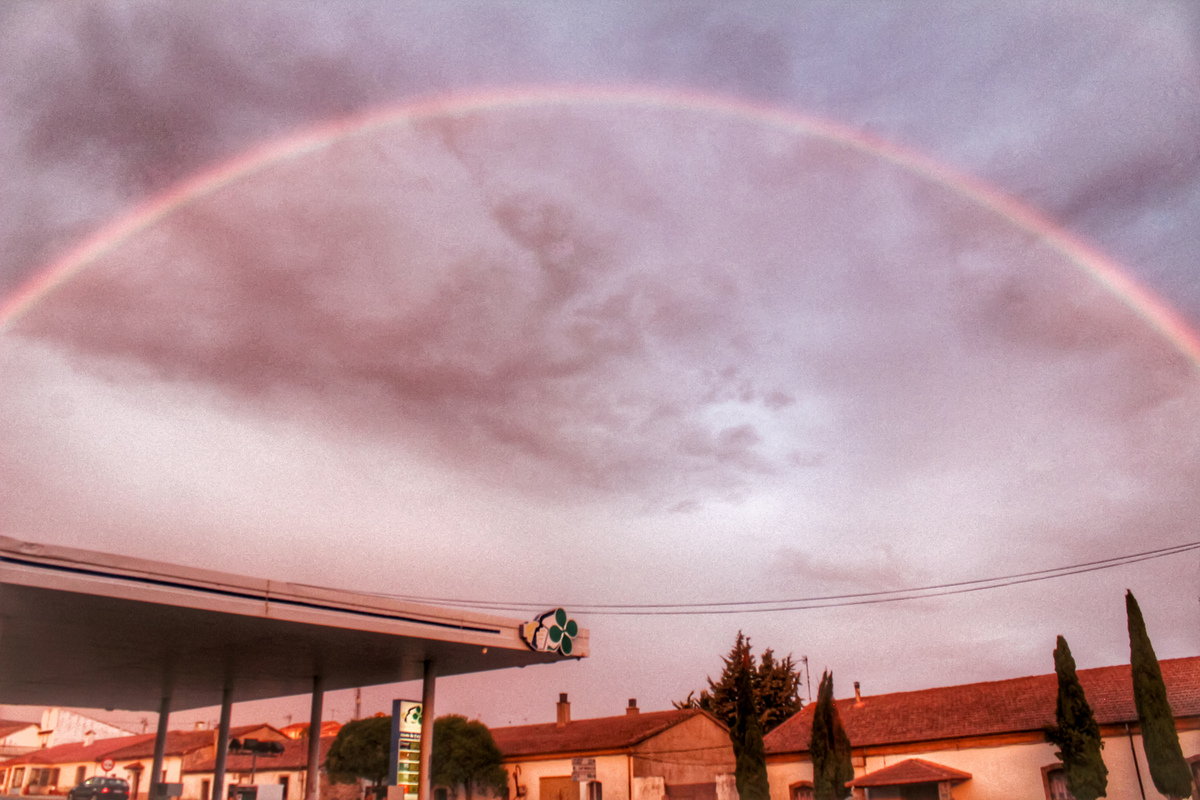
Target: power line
x=819 y=601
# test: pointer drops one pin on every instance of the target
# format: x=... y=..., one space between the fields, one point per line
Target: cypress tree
x=750 y=771
x=829 y=746
x=1076 y=732
x=1168 y=768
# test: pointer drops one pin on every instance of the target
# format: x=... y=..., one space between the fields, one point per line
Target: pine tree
x=778 y=690
x=1076 y=732
x=1168 y=768
x=750 y=771
x=829 y=747
x=776 y=687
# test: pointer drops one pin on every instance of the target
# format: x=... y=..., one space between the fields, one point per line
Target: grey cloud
x=566 y=287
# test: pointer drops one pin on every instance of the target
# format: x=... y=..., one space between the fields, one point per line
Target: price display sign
x=405 y=767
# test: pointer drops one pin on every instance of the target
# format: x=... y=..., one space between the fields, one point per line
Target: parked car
x=100 y=788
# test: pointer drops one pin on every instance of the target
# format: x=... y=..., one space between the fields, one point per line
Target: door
x=558 y=788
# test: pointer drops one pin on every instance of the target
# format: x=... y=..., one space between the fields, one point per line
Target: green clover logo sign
x=551 y=632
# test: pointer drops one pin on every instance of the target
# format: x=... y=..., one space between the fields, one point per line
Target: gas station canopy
x=81 y=628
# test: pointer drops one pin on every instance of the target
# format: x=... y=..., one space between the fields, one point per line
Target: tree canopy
x=829 y=747
x=361 y=751
x=775 y=685
x=750 y=770
x=1168 y=769
x=1075 y=731
x=466 y=755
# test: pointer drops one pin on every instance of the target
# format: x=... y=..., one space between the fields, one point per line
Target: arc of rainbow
x=1155 y=312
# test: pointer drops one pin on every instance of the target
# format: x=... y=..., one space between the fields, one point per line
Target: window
x=283 y=781
x=80 y=775
x=1056 y=785
x=440 y=793
x=206 y=791
x=595 y=790
x=800 y=791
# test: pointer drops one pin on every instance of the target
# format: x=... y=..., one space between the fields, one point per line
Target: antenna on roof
x=807 y=677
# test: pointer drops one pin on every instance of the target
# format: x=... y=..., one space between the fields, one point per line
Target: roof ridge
x=1041 y=675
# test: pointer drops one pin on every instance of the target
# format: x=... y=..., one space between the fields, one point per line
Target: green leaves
x=466 y=755
x=361 y=751
x=750 y=770
x=1076 y=732
x=829 y=746
x=775 y=685
x=1168 y=768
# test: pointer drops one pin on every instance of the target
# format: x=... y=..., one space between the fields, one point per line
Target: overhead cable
x=819 y=601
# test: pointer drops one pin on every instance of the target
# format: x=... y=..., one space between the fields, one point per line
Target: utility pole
x=807 y=677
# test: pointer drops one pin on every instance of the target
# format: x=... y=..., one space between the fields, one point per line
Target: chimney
x=633 y=709
x=564 y=710
x=89 y=738
x=857 y=695
x=199 y=725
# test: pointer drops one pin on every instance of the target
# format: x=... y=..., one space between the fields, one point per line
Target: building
x=17 y=738
x=287 y=769
x=985 y=741
x=55 y=770
x=679 y=754
x=63 y=726
x=299 y=730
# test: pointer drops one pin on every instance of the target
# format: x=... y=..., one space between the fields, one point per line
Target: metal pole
x=423 y=786
x=160 y=745
x=218 y=788
x=313 y=775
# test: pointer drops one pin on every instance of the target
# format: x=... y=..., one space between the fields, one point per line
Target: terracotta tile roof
x=182 y=742
x=601 y=733
x=912 y=770
x=995 y=707
x=78 y=752
x=294 y=756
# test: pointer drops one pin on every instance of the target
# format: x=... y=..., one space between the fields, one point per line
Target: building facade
x=985 y=741
x=55 y=770
x=17 y=739
x=677 y=754
x=63 y=726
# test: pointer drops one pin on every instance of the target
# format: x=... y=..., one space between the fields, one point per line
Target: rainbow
x=1155 y=312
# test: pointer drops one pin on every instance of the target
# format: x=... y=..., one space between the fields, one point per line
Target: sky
x=617 y=303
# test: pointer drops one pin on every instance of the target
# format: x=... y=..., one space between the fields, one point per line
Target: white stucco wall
x=66 y=726
x=1010 y=772
x=20 y=741
x=611 y=771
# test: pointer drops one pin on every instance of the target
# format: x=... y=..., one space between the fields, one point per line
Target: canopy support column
x=313 y=776
x=427 y=687
x=160 y=747
x=218 y=788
